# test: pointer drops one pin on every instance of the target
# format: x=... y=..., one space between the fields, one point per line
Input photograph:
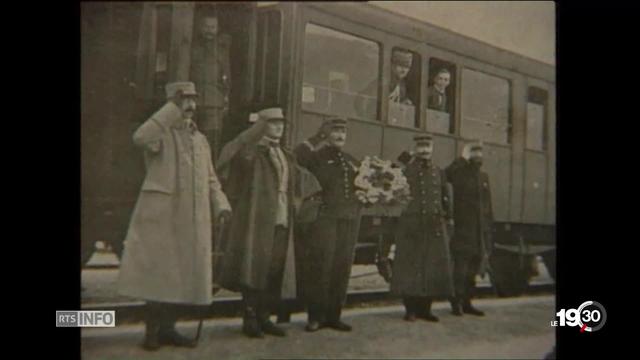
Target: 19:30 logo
x=590 y=317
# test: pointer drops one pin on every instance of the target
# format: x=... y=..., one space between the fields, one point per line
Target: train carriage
x=320 y=60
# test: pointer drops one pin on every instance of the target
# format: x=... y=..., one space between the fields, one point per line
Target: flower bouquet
x=379 y=183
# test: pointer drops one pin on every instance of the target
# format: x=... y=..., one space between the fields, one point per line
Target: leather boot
x=250 y=326
x=410 y=311
x=456 y=308
x=168 y=334
x=426 y=310
x=267 y=326
x=467 y=308
x=152 y=329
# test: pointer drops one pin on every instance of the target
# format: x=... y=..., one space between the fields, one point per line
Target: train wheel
x=510 y=274
x=87 y=249
x=549 y=259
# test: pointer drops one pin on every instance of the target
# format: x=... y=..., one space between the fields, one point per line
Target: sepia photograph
x=318 y=180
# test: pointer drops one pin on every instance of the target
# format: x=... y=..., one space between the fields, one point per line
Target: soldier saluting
x=167 y=255
x=422 y=270
x=259 y=254
x=334 y=233
x=473 y=215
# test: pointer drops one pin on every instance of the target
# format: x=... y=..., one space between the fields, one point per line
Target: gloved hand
x=450 y=227
x=224 y=216
x=466 y=151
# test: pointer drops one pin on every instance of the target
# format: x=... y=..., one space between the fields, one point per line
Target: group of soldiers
x=291 y=222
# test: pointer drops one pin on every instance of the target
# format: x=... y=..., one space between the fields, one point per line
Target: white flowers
x=380 y=183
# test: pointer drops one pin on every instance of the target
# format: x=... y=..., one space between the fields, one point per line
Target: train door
x=108 y=59
x=536 y=154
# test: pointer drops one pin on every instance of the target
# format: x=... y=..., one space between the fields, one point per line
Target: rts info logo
x=590 y=317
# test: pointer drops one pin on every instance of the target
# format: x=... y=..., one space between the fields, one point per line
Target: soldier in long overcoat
x=421 y=267
x=335 y=231
x=259 y=253
x=167 y=255
x=473 y=215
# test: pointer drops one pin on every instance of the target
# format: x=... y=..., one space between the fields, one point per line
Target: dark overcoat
x=422 y=264
x=252 y=189
x=473 y=213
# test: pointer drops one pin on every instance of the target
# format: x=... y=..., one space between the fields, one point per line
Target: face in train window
x=404 y=88
x=485 y=107
x=440 y=96
x=341 y=74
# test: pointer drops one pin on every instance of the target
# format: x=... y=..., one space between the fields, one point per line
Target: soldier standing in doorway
x=211 y=72
x=335 y=232
x=167 y=254
x=473 y=216
x=421 y=268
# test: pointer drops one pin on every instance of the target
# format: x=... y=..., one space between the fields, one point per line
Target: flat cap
x=184 y=87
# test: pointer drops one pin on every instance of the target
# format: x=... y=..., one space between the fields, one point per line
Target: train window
x=341 y=74
x=404 y=88
x=441 y=92
x=485 y=107
x=536 y=124
x=163 y=43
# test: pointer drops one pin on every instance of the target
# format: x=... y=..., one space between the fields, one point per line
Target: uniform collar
x=268 y=142
x=188 y=124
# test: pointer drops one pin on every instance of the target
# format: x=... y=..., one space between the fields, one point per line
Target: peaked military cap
x=271 y=114
x=336 y=122
x=476 y=146
x=186 y=88
x=422 y=138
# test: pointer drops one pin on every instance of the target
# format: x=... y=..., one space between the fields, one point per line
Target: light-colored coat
x=167 y=255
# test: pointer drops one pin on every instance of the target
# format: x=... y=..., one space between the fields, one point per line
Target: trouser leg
x=271 y=298
x=347 y=232
x=152 y=326
x=410 y=306
x=319 y=267
x=473 y=264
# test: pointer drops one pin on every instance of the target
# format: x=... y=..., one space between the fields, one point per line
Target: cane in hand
x=219 y=230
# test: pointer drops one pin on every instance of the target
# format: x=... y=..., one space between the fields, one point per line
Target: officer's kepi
x=184 y=88
x=271 y=114
x=336 y=123
x=423 y=139
x=476 y=146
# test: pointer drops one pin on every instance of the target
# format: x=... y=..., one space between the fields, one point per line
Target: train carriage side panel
x=517 y=144
x=551 y=177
